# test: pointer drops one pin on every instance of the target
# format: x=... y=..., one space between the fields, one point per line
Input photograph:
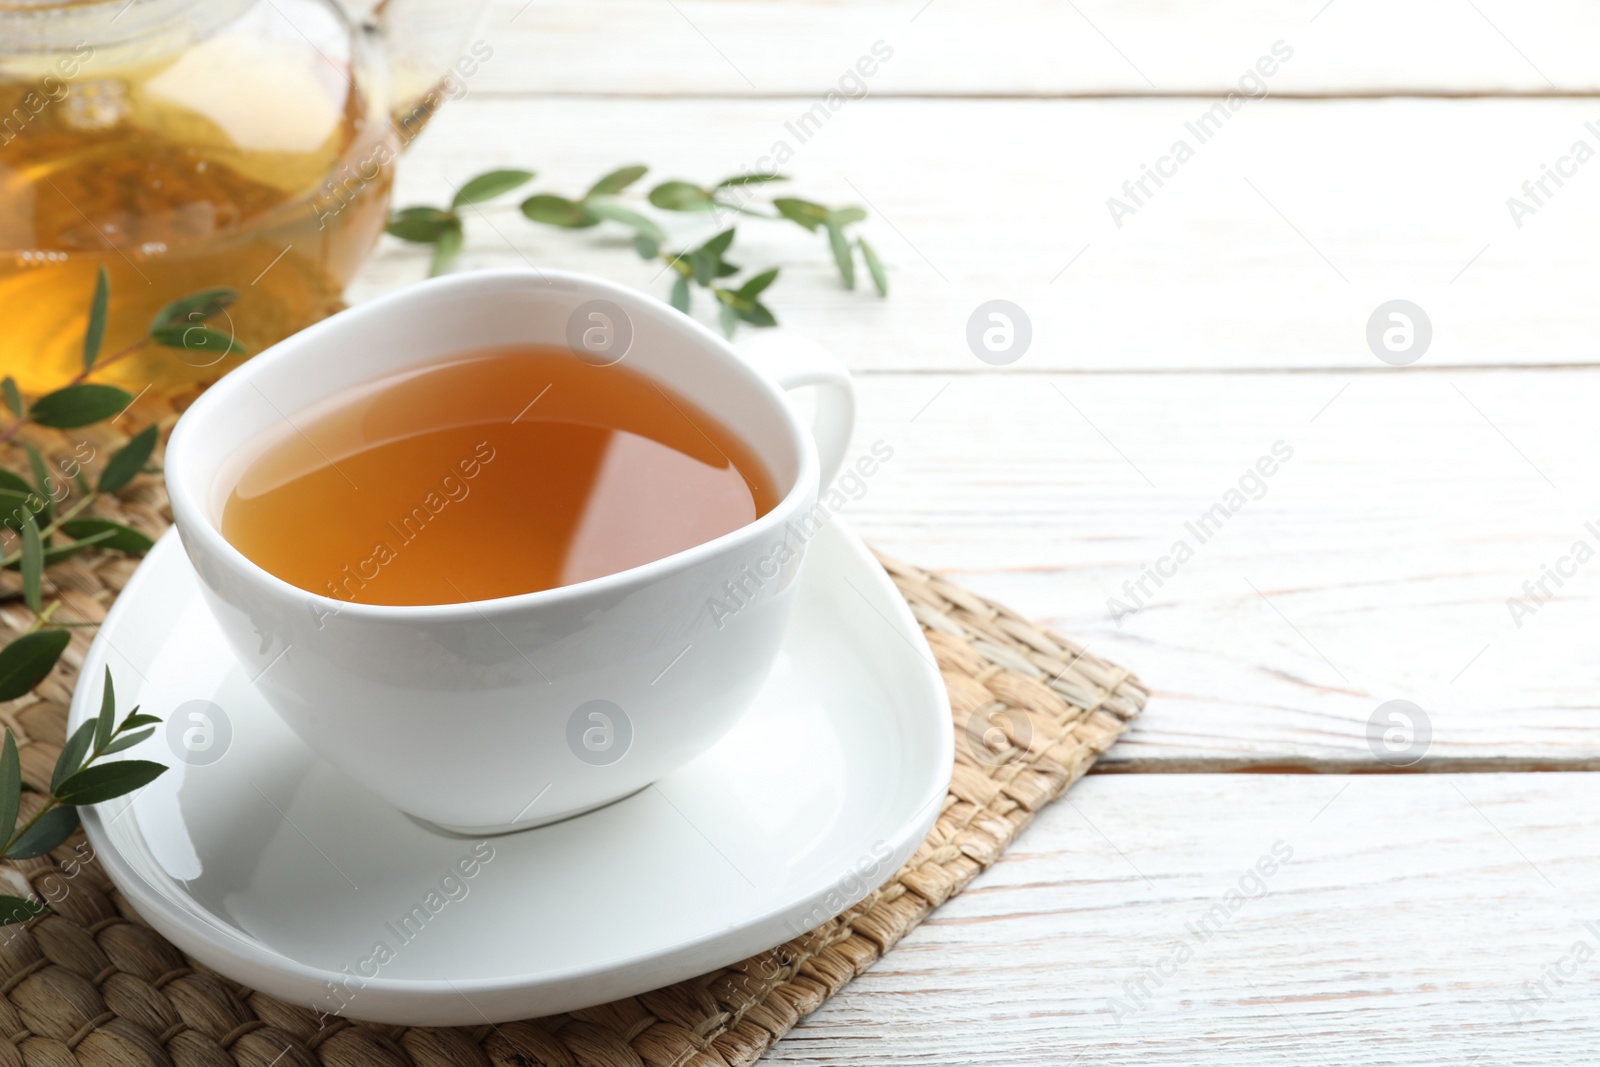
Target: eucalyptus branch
x=79 y=779
x=702 y=266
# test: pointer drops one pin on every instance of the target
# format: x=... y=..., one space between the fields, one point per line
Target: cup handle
x=796 y=362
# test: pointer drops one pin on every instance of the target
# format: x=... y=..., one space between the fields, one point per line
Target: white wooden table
x=1436 y=917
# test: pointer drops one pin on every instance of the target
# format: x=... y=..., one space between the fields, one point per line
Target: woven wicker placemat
x=91 y=984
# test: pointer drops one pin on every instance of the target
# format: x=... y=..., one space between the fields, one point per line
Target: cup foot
x=529 y=823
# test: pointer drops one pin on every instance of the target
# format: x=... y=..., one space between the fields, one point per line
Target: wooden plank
x=1376 y=564
x=1032 y=47
x=1271 y=248
x=1413 y=922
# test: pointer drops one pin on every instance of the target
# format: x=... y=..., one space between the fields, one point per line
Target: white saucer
x=277 y=871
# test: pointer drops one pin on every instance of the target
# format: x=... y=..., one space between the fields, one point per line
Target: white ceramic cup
x=500 y=714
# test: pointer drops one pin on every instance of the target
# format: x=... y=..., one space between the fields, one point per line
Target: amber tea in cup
x=496 y=473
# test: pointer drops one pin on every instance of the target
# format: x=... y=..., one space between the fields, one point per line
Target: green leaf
x=489 y=185
x=198 y=339
x=842 y=256
x=134 y=720
x=25 y=662
x=79 y=405
x=108 y=710
x=72 y=754
x=54 y=554
x=445 y=250
x=754 y=287
x=647 y=247
x=617 y=181
x=41 y=477
x=750 y=179
x=680 y=294
x=880 y=279
x=720 y=243
x=555 y=210
x=128 y=741
x=32 y=565
x=11 y=482
x=804 y=212
x=10 y=787
x=681 y=196
x=846 y=215
x=196 y=307
x=607 y=209
x=724 y=268
x=13 y=397
x=758 y=314
x=97 y=319
x=128 y=460
x=50 y=832
x=728 y=316
x=420 y=225
x=15 y=910
x=704 y=264
x=106 y=781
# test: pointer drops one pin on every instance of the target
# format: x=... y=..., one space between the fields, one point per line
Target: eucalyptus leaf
x=617 y=181
x=846 y=215
x=32 y=565
x=11 y=482
x=96 y=333
x=79 y=405
x=681 y=196
x=754 y=287
x=704 y=264
x=445 y=249
x=489 y=185
x=842 y=256
x=13 y=397
x=128 y=460
x=720 y=243
x=196 y=307
x=41 y=479
x=106 y=781
x=15 y=910
x=10 y=787
x=420 y=225
x=54 y=554
x=104 y=722
x=647 y=247
x=50 y=832
x=72 y=754
x=880 y=279
x=680 y=294
x=804 y=212
x=198 y=339
x=128 y=740
x=26 y=662
x=112 y=535
x=758 y=314
x=750 y=179
x=134 y=719
x=555 y=210
x=728 y=316
x=608 y=209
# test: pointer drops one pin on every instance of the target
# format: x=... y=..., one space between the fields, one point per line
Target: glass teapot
x=188 y=144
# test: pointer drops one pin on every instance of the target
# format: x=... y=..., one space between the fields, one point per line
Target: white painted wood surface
x=1226 y=314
